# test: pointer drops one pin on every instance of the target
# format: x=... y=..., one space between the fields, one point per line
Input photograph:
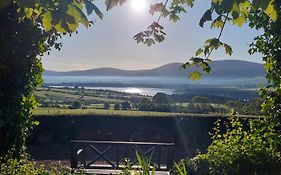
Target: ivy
x=22 y=46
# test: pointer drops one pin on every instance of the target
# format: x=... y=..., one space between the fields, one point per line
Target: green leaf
x=110 y=3
x=47 y=21
x=244 y=7
x=188 y=2
x=216 y=1
x=235 y=10
x=36 y=123
x=175 y=2
x=198 y=52
x=227 y=5
x=185 y=65
x=61 y=27
x=217 y=23
x=71 y=23
x=240 y=21
x=267 y=66
x=77 y=14
x=81 y=16
x=28 y=12
x=56 y=17
x=271 y=12
x=178 y=9
x=98 y=12
x=263 y=4
x=206 y=17
x=90 y=7
x=195 y=76
x=174 y=17
x=228 y=49
x=206 y=67
x=213 y=43
x=149 y=41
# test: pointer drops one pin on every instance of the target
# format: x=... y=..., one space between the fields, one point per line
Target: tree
x=126 y=105
x=253 y=107
x=200 y=104
x=106 y=105
x=161 y=98
x=235 y=105
x=200 y=99
x=146 y=105
x=162 y=102
x=22 y=45
x=76 y=105
x=116 y=106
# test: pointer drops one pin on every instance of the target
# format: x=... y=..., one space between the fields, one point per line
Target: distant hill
x=223 y=68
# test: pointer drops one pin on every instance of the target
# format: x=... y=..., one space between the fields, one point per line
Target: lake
x=146 y=85
x=132 y=90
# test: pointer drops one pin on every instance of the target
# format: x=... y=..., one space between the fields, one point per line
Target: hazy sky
x=110 y=43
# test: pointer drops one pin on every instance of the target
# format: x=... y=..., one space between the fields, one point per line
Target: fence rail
x=117 y=155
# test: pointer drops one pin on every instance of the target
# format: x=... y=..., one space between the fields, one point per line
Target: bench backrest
x=118 y=155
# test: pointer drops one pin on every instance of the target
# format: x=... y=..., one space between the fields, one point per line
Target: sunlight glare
x=133 y=90
x=138 y=5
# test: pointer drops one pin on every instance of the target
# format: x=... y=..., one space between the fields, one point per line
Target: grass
x=70 y=95
x=48 y=111
x=110 y=112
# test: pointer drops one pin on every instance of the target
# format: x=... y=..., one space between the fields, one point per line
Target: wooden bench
x=111 y=157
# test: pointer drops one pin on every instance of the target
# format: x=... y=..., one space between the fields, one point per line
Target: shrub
x=106 y=105
x=76 y=105
x=161 y=98
x=117 y=106
x=26 y=167
x=126 y=105
x=234 y=105
x=246 y=148
x=146 y=105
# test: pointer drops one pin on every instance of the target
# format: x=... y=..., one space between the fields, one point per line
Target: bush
x=116 y=106
x=146 y=105
x=235 y=105
x=202 y=108
x=126 y=105
x=106 y=105
x=247 y=148
x=161 y=98
x=26 y=167
x=76 y=105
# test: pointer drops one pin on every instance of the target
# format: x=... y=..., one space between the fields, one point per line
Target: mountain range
x=222 y=68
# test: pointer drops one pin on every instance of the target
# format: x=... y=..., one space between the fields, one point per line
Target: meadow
x=54 y=101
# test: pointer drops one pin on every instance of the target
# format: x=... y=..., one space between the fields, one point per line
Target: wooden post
x=73 y=155
x=159 y=157
x=83 y=156
x=117 y=156
x=170 y=157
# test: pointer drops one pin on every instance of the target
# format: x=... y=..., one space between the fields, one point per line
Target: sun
x=138 y=5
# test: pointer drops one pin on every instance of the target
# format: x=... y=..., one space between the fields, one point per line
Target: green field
x=123 y=113
x=103 y=112
x=81 y=101
x=65 y=96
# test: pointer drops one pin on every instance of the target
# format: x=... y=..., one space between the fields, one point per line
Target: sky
x=109 y=42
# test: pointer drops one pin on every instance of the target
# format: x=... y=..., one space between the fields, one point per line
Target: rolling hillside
x=224 y=68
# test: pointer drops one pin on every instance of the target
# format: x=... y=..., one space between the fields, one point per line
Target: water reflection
x=133 y=90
